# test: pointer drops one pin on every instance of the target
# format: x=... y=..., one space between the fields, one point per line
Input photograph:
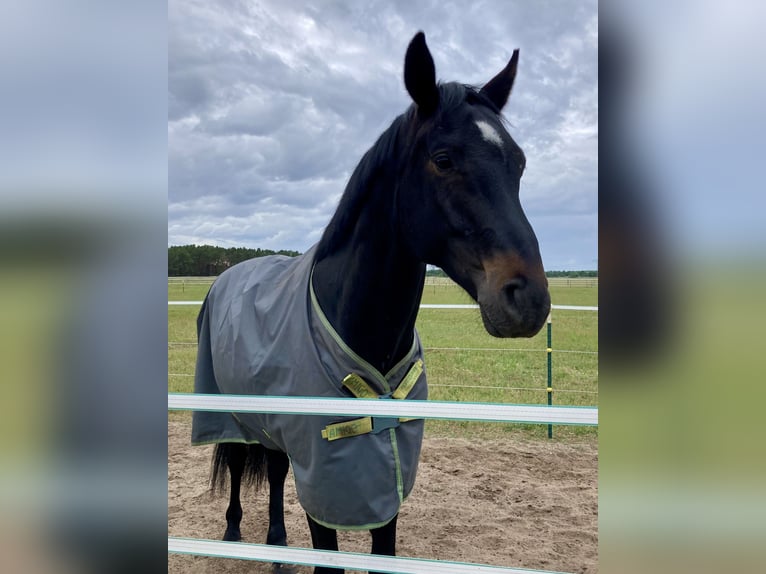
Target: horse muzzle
x=513 y=296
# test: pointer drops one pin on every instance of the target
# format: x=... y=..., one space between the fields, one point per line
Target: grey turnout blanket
x=261 y=332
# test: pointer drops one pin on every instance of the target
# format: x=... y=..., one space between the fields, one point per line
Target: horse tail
x=250 y=458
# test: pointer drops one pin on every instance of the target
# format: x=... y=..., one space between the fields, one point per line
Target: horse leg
x=277 y=465
x=323 y=538
x=384 y=539
x=236 y=456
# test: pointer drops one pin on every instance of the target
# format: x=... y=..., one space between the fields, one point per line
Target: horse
x=440 y=186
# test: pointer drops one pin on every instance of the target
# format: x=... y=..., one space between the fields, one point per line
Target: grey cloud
x=271 y=105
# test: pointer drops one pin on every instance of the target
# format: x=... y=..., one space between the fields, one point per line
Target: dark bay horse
x=440 y=186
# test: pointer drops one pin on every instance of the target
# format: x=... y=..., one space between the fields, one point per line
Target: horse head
x=458 y=197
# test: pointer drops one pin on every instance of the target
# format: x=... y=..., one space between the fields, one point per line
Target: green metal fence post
x=550 y=372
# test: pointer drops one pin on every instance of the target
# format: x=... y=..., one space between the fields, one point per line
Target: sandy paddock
x=528 y=504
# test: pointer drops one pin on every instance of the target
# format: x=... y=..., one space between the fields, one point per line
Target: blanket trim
x=374 y=373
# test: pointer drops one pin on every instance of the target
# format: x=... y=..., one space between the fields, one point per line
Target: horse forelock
x=454 y=94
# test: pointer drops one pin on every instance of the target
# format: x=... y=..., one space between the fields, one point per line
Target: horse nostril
x=509 y=289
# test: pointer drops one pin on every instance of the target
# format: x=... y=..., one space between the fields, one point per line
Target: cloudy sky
x=271 y=104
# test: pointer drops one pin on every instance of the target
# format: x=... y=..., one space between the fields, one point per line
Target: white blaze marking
x=489 y=133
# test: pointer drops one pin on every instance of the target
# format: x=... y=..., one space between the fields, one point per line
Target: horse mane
x=383 y=154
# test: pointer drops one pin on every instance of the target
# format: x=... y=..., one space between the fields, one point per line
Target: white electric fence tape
x=445 y=410
x=435 y=306
x=347 y=560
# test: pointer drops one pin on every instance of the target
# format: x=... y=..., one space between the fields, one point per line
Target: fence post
x=550 y=371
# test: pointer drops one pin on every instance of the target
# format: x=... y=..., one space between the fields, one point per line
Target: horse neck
x=366 y=280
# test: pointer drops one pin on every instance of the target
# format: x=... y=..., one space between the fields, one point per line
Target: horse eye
x=442 y=161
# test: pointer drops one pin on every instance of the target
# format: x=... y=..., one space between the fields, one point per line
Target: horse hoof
x=283 y=569
x=232 y=535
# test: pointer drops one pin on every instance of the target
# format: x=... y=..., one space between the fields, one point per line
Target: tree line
x=569 y=274
x=206 y=260
x=572 y=274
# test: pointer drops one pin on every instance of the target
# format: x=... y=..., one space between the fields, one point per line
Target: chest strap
x=361 y=390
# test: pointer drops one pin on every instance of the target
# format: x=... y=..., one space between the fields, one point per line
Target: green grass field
x=463 y=362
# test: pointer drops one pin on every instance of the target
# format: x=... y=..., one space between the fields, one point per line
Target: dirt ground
x=525 y=504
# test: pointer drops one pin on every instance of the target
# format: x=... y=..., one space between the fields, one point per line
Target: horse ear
x=499 y=88
x=420 y=75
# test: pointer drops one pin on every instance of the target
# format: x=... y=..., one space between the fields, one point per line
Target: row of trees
x=572 y=274
x=205 y=260
x=569 y=274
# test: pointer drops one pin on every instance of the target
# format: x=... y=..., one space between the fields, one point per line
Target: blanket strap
x=361 y=390
x=359 y=387
x=347 y=429
x=409 y=380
